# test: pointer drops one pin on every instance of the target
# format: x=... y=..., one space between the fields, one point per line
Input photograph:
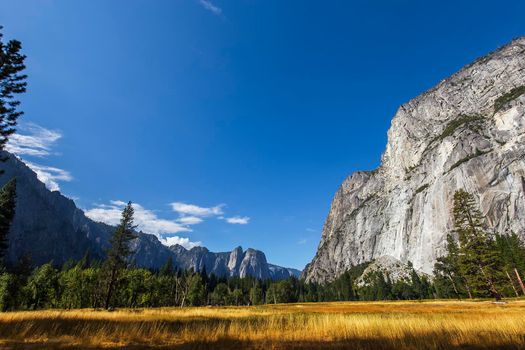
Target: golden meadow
x=335 y=325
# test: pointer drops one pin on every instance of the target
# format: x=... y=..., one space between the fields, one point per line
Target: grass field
x=351 y=325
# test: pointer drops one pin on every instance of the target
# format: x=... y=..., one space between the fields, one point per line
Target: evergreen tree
x=196 y=290
x=42 y=288
x=447 y=277
x=7 y=292
x=119 y=253
x=219 y=296
x=256 y=296
x=7 y=213
x=479 y=261
x=167 y=269
x=12 y=83
x=512 y=250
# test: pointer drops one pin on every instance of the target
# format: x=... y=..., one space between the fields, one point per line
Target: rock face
x=279 y=273
x=236 y=263
x=49 y=227
x=468 y=132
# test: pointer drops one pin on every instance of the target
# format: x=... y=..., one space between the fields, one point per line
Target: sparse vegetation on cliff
x=472 y=120
x=509 y=96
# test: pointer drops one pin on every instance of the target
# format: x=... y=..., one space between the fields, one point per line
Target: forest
x=478 y=265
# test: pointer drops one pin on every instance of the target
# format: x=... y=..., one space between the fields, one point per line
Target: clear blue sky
x=253 y=109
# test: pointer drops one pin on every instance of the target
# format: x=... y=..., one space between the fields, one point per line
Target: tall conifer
x=119 y=252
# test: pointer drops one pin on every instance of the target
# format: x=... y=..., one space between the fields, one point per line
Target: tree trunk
x=454 y=286
x=490 y=283
x=519 y=280
x=468 y=290
x=512 y=283
x=110 y=289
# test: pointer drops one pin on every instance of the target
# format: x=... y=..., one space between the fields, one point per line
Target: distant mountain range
x=49 y=227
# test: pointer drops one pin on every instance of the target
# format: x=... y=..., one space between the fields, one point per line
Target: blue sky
x=230 y=122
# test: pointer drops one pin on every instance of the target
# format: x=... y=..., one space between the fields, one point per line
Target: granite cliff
x=467 y=132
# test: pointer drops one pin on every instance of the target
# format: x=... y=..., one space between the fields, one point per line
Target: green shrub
x=509 y=96
x=463 y=119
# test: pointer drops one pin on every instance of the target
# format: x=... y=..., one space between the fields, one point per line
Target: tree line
x=115 y=283
x=477 y=264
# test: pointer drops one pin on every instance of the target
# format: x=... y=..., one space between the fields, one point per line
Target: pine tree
x=7 y=212
x=167 y=269
x=12 y=82
x=512 y=250
x=448 y=278
x=479 y=261
x=119 y=252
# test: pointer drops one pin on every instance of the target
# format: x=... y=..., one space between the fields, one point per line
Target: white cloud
x=239 y=220
x=145 y=219
x=33 y=140
x=50 y=175
x=302 y=241
x=195 y=210
x=148 y=222
x=190 y=220
x=185 y=242
x=211 y=7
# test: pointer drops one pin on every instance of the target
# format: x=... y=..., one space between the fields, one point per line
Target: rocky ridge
x=467 y=132
x=49 y=227
x=236 y=263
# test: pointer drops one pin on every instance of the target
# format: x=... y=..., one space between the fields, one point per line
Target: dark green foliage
x=512 y=251
x=220 y=295
x=196 y=290
x=477 y=263
x=377 y=287
x=509 y=96
x=118 y=254
x=280 y=292
x=42 y=288
x=12 y=83
x=7 y=291
x=469 y=120
x=256 y=295
x=7 y=212
x=448 y=281
x=82 y=286
x=168 y=268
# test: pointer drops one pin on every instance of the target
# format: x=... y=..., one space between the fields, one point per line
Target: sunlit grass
x=352 y=325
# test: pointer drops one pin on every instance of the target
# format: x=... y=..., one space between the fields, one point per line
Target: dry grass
x=353 y=325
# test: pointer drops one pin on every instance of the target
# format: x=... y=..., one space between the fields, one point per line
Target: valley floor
x=338 y=325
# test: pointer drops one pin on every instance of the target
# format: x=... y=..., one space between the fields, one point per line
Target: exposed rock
x=237 y=263
x=468 y=132
x=279 y=273
x=49 y=227
x=388 y=266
